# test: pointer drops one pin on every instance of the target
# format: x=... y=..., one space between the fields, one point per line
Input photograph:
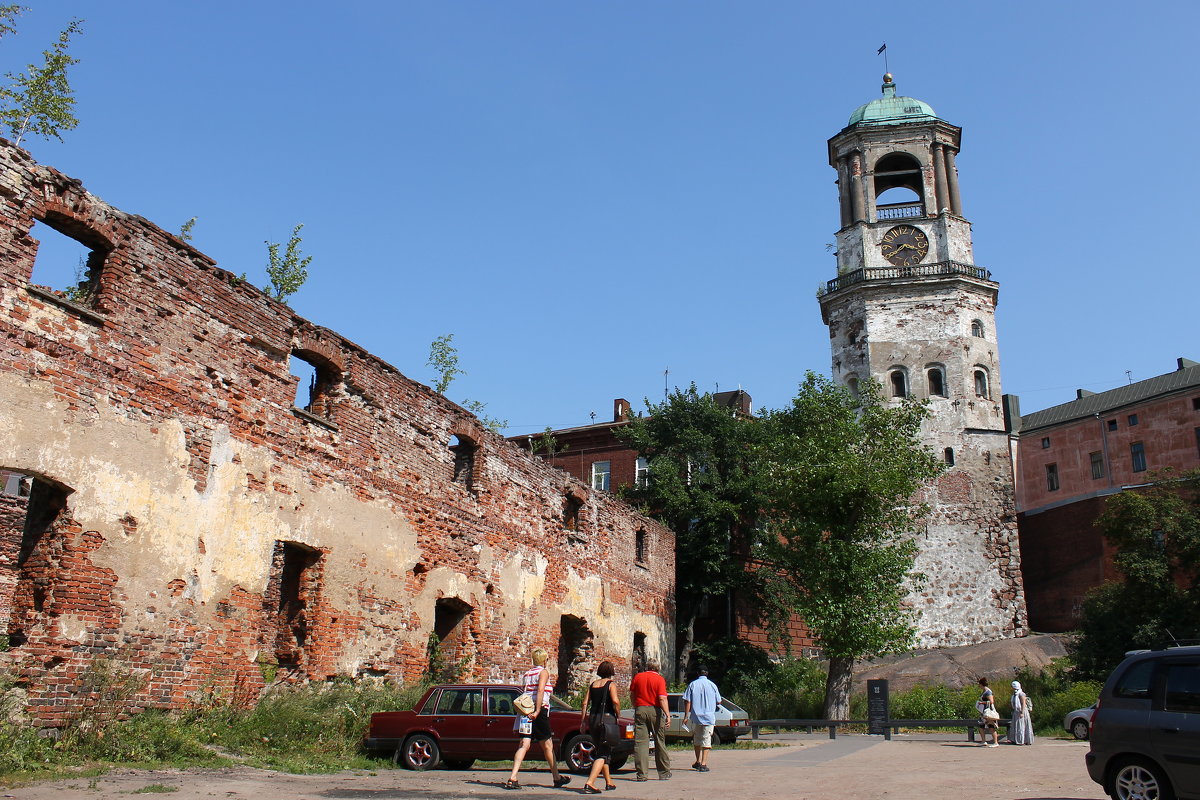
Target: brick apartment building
x=1071 y=458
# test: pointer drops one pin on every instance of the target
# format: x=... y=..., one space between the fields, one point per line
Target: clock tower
x=911 y=310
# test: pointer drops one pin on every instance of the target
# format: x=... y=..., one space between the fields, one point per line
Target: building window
x=1052 y=477
x=1196 y=404
x=899 y=382
x=69 y=258
x=1133 y=419
x=316 y=378
x=936 y=381
x=572 y=505
x=1198 y=441
x=601 y=473
x=1112 y=424
x=1137 y=453
x=1097 y=459
x=977 y=329
x=981 y=383
x=639 y=546
x=464 y=451
x=641 y=472
x=1045 y=442
x=948 y=455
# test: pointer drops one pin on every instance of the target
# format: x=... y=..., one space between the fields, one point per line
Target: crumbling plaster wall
x=164 y=403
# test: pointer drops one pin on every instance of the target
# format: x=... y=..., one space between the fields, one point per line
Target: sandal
x=608 y=787
x=590 y=789
x=511 y=785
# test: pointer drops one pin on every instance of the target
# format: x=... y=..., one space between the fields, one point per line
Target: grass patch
x=155 y=788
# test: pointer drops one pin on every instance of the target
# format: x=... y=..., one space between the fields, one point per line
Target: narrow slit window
x=464 y=451
x=1052 y=477
x=937 y=382
x=899 y=383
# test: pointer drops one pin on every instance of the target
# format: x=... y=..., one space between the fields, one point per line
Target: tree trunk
x=837 y=688
x=687 y=641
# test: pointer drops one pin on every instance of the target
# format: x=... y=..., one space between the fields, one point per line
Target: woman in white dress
x=1021 y=729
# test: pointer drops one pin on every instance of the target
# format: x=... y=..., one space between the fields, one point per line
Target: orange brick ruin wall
x=169 y=511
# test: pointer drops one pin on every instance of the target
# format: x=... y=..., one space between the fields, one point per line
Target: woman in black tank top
x=602 y=706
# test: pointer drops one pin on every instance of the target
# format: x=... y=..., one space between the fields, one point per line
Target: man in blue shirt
x=700 y=702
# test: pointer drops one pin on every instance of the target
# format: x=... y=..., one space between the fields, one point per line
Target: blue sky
x=589 y=193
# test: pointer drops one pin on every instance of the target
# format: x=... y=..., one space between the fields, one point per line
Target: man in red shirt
x=648 y=694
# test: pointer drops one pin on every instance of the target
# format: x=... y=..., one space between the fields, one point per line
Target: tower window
x=981 y=383
x=898 y=187
x=1052 y=477
x=948 y=454
x=1137 y=455
x=899 y=382
x=977 y=329
x=936 y=381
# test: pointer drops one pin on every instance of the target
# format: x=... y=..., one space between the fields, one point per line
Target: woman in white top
x=537 y=681
x=1021 y=729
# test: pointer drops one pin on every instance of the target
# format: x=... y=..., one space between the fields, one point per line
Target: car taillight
x=627 y=731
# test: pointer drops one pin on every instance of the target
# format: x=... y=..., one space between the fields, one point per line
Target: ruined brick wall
x=198 y=528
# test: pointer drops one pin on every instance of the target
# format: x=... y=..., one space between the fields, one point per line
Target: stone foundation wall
x=194 y=527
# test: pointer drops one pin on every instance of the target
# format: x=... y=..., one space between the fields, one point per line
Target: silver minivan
x=1145 y=736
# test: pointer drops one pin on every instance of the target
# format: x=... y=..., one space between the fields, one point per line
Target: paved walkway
x=809 y=766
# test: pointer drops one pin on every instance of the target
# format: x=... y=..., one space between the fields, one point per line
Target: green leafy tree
x=479 y=409
x=8 y=19
x=288 y=271
x=844 y=472
x=185 y=230
x=703 y=484
x=1155 y=532
x=547 y=443
x=443 y=358
x=40 y=100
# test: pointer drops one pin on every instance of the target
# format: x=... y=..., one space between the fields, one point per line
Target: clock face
x=904 y=245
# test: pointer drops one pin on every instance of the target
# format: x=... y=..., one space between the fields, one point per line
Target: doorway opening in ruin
x=575 y=647
x=31 y=512
x=68 y=260
x=572 y=505
x=638 y=662
x=315 y=377
x=292 y=594
x=449 y=653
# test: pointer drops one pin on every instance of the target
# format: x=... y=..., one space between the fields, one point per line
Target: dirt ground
x=808 y=766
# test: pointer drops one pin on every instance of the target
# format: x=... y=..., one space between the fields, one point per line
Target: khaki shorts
x=702 y=735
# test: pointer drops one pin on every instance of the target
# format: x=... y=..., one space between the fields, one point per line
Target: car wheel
x=420 y=752
x=458 y=763
x=579 y=754
x=616 y=762
x=1079 y=729
x=1140 y=780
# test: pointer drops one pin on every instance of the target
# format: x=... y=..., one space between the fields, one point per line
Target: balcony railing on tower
x=900 y=211
x=939 y=269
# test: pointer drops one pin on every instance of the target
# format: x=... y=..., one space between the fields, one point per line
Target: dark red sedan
x=457 y=724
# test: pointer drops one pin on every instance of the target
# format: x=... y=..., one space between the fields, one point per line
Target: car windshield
x=732 y=707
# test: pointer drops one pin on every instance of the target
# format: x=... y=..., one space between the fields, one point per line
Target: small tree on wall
x=287 y=271
x=40 y=100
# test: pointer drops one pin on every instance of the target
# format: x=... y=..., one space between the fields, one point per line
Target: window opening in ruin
x=601 y=474
x=948 y=454
x=449 y=654
x=852 y=385
x=575 y=648
x=637 y=662
x=315 y=379
x=977 y=329
x=937 y=382
x=65 y=263
x=641 y=472
x=899 y=383
x=1137 y=453
x=292 y=595
x=981 y=383
x=31 y=509
x=639 y=545
x=898 y=187
x=1052 y=477
x=571 y=508
x=1097 y=461
x=464 y=451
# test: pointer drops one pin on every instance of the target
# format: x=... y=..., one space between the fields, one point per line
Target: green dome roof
x=892 y=110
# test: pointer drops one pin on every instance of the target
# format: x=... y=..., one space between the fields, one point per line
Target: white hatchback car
x=732 y=720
